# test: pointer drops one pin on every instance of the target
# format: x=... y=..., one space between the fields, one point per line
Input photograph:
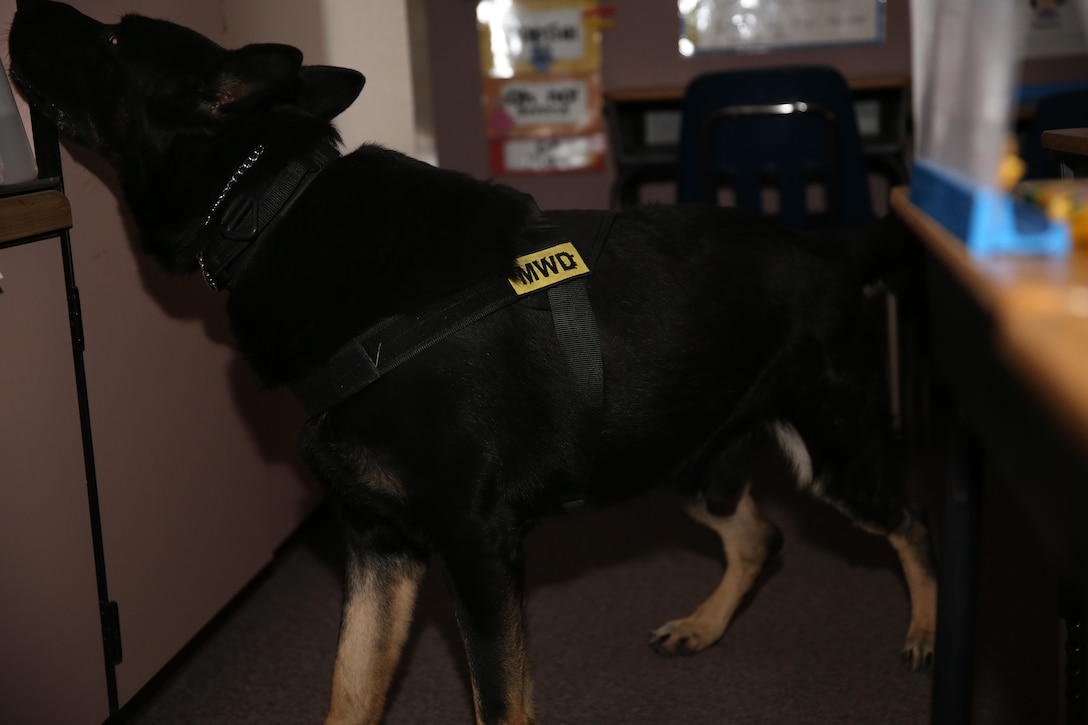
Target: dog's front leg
x=486 y=580
x=379 y=598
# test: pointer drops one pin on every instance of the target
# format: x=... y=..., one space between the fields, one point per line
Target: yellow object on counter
x=1064 y=199
x=1012 y=167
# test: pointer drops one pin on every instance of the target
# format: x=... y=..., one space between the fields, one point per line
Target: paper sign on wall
x=522 y=37
x=528 y=106
x=540 y=61
x=548 y=155
x=747 y=25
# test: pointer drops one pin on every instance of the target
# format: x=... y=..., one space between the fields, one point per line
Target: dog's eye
x=111 y=36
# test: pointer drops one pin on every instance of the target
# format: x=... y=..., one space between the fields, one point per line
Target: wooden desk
x=1071 y=147
x=1010 y=339
x=644 y=130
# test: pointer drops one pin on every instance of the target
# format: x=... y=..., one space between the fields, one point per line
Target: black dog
x=717 y=333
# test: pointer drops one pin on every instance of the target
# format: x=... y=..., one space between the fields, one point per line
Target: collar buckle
x=240 y=220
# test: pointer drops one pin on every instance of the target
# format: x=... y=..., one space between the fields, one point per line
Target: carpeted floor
x=817 y=643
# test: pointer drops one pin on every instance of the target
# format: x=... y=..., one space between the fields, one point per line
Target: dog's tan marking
x=374 y=472
x=912 y=545
x=746 y=537
x=519 y=690
x=377 y=614
x=379 y=478
x=518 y=684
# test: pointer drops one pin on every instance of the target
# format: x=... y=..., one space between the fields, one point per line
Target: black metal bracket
x=47 y=156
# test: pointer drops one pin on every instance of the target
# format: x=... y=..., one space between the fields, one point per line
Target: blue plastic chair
x=1061 y=110
x=785 y=127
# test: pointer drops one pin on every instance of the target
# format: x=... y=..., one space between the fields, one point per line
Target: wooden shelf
x=34 y=214
x=644 y=95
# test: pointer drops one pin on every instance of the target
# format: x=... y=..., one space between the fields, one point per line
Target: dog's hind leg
x=749 y=540
x=848 y=466
x=911 y=542
x=910 y=539
x=485 y=572
x=379 y=598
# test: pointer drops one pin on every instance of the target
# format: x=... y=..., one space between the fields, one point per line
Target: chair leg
x=891 y=306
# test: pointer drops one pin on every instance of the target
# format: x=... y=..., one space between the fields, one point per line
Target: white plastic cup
x=16 y=159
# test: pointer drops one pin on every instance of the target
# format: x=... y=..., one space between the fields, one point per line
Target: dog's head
x=131 y=89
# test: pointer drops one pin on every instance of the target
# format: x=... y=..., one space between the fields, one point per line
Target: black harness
x=556 y=255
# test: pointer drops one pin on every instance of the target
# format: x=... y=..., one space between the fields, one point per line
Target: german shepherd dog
x=719 y=333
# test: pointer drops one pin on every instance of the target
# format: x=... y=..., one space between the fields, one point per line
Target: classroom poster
x=761 y=25
x=540 y=61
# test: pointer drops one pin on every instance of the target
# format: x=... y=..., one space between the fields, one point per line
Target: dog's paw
x=918 y=652
x=681 y=637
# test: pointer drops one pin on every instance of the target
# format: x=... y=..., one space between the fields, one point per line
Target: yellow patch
x=549 y=266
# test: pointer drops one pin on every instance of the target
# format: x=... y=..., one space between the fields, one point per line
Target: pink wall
x=640 y=52
x=199 y=478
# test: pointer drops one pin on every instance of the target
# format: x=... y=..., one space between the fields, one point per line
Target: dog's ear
x=254 y=72
x=326 y=91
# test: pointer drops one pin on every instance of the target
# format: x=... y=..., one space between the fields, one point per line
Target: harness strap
x=576 y=328
x=393 y=341
x=397 y=339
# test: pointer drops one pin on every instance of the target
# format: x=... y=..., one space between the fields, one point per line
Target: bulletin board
x=764 y=25
x=541 y=67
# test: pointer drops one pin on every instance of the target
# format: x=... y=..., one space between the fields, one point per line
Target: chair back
x=786 y=128
x=1060 y=110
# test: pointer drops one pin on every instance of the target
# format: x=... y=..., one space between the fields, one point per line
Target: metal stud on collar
x=238 y=173
x=208 y=278
x=245 y=166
